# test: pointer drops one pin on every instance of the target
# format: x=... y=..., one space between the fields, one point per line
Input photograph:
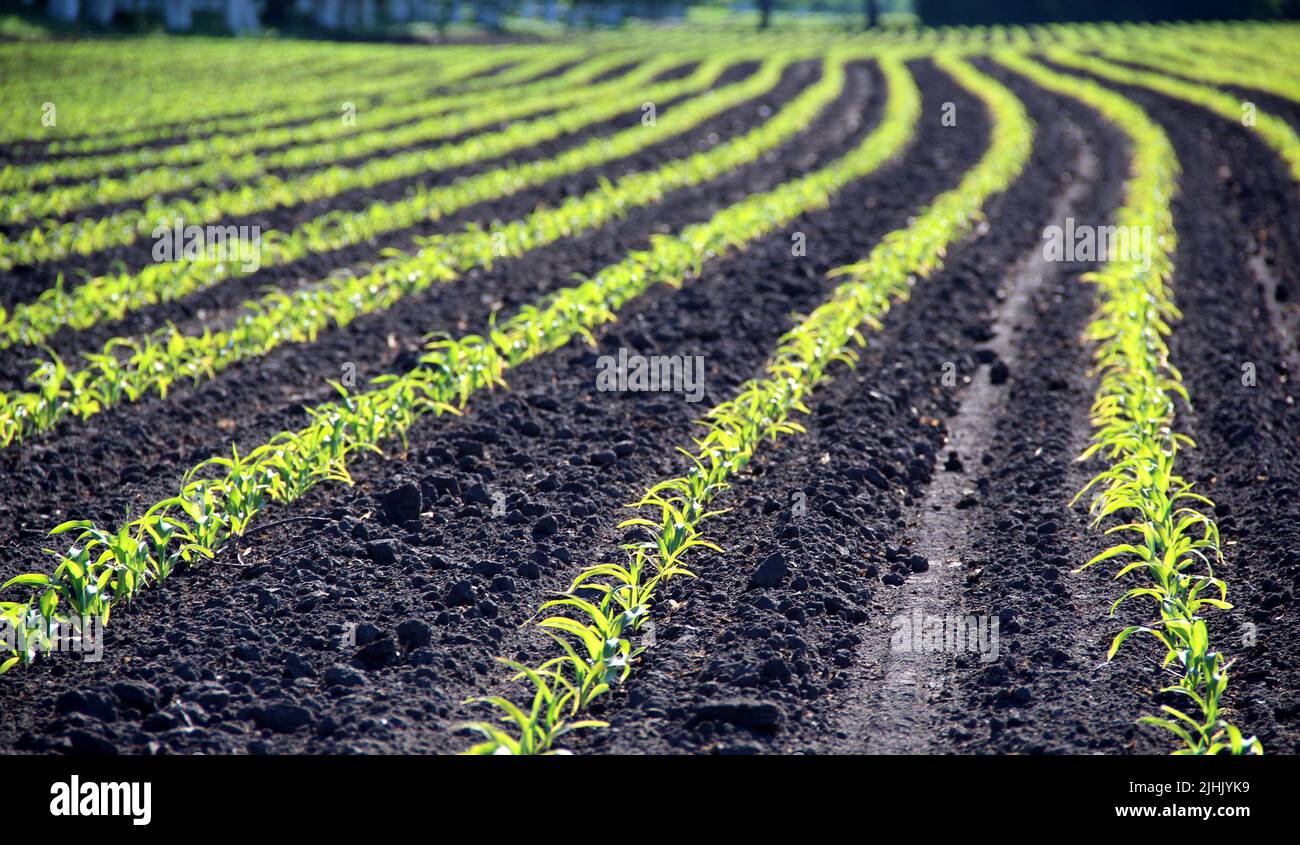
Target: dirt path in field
x=120 y=458
x=364 y=624
x=806 y=665
x=470 y=575
x=26 y=283
x=1054 y=691
x=1022 y=540
x=893 y=712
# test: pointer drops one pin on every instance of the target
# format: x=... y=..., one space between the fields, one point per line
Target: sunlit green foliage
x=1275 y=131
x=222 y=496
x=401 y=104
x=110 y=297
x=597 y=646
x=1175 y=541
x=272 y=174
x=129 y=368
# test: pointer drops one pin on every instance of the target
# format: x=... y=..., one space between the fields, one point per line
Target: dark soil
x=796 y=666
x=360 y=619
x=92 y=212
x=30 y=281
x=195 y=311
x=558 y=464
x=253 y=400
x=1238 y=204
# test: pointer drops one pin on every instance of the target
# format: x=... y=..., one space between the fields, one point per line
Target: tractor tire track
x=802 y=663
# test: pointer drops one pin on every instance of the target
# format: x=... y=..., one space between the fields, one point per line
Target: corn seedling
x=1175 y=543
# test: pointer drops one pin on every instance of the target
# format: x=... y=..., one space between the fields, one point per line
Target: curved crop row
x=1274 y=131
x=173 y=102
x=401 y=107
x=279 y=105
x=597 y=646
x=1133 y=417
x=110 y=297
x=520 y=64
x=105 y=567
x=1204 y=65
x=156 y=362
x=487 y=110
x=83 y=237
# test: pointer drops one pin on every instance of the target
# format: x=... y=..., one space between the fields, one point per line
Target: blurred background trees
x=957 y=12
x=444 y=19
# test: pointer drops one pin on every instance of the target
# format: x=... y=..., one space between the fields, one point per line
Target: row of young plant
x=1261 y=45
x=364 y=89
x=95 y=116
x=606 y=604
x=60 y=65
x=382 y=99
x=92 y=122
x=401 y=106
x=479 y=111
x=111 y=296
x=56 y=240
x=1273 y=130
x=1209 y=63
x=1173 y=541
x=54 y=65
x=1251 y=49
x=220 y=497
x=178 y=110
x=127 y=369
